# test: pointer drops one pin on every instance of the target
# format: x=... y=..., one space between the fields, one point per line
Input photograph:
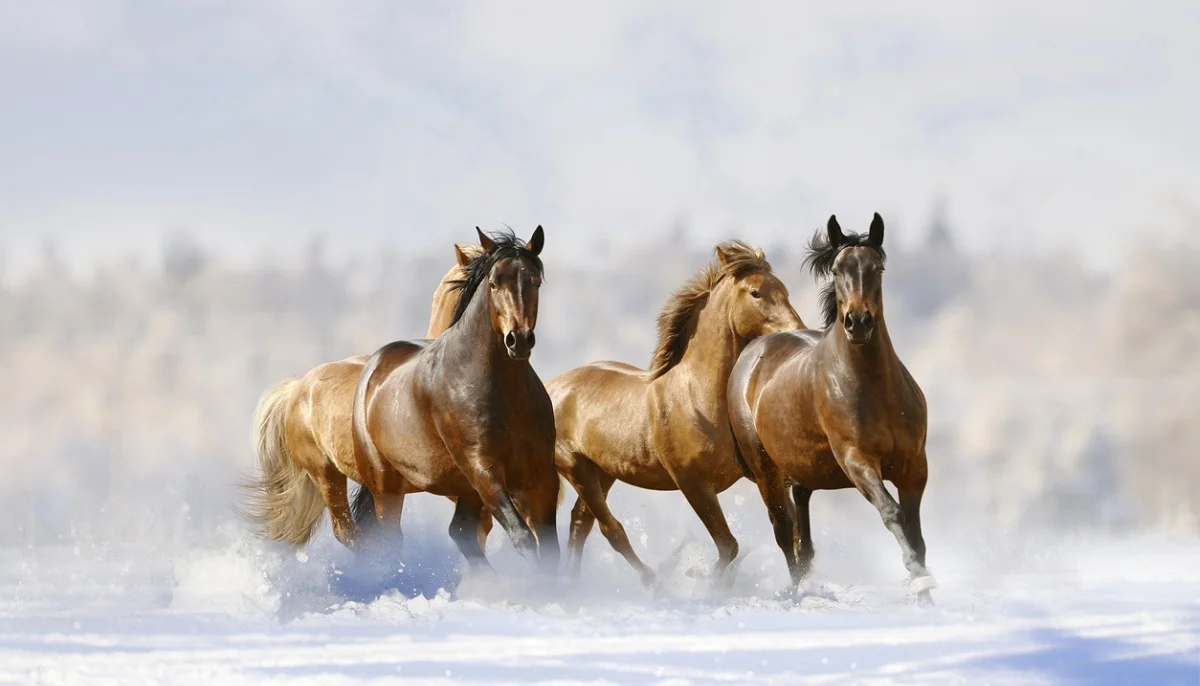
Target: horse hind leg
x=805 y=553
x=332 y=484
x=464 y=531
x=484 y=529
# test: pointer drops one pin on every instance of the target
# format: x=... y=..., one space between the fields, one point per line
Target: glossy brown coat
x=304 y=443
x=465 y=416
x=668 y=428
x=835 y=409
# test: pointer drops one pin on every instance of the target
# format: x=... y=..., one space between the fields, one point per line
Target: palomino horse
x=304 y=443
x=668 y=428
x=465 y=416
x=835 y=409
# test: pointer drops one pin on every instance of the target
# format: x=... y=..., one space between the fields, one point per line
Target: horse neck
x=874 y=359
x=714 y=347
x=472 y=343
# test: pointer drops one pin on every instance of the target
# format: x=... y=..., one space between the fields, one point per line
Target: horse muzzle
x=859 y=326
x=519 y=344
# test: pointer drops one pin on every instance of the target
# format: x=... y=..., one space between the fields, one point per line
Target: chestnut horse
x=465 y=416
x=304 y=444
x=835 y=409
x=668 y=428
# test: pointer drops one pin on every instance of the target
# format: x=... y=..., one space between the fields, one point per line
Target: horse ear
x=484 y=241
x=876 y=234
x=460 y=255
x=758 y=252
x=722 y=257
x=836 y=237
x=537 y=241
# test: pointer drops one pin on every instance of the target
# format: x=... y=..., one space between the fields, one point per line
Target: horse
x=465 y=416
x=667 y=428
x=304 y=445
x=835 y=408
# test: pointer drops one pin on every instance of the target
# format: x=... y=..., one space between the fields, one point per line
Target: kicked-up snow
x=1118 y=611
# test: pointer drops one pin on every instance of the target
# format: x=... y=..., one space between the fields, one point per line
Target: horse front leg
x=864 y=473
x=496 y=498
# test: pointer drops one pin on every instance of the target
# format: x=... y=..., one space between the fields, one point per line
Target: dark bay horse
x=668 y=428
x=835 y=409
x=304 y=444
x=465 y=416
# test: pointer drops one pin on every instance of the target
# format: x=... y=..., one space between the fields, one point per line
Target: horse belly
x=628 y=458
x=810 y=463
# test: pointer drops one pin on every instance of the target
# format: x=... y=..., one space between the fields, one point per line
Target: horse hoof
x=924 y=599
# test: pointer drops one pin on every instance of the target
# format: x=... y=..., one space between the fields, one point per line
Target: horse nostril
x=867 y=319
x=849 y=323
x=531 y=339
x=510 y=339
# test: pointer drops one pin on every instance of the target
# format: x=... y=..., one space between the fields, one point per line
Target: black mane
x=507 y=245
x=820 y=258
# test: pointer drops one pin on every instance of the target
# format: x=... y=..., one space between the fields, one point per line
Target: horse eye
x=754 y=293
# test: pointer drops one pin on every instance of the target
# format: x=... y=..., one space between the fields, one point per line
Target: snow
x=1113 y=611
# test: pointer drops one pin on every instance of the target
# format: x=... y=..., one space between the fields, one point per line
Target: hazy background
x=200 y=199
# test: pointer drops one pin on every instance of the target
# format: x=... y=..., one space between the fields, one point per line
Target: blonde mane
x=677 y=321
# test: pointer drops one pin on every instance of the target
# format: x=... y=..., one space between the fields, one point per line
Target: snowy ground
x=229 y=612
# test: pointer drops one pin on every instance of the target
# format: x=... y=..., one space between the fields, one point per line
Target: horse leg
x=783 y=517
x=464 y=531
x=497 y=499
x=543 y=515
x=806 y=552
x=389 y=507
x=910 y=506
x=864 y=474
x=703 y=500
x=485 y=528
x=332 y=484
x=593 y=484
x=582 y=520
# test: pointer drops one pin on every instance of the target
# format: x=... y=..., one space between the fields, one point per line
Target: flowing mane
x=677 y=321
x=819 y=260
x=507 y=245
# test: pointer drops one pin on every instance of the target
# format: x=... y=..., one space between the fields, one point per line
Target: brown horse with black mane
x=668 y=428
x=304 y=444
x=835 y=409
x=465 y=416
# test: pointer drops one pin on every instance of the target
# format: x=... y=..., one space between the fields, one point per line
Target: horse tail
x=284 y=503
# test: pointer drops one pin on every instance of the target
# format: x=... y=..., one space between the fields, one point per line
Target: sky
x=252 y=126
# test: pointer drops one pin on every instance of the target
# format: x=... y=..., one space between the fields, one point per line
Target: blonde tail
x=284 y=503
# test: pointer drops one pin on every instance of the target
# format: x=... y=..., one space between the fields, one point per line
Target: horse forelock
x=820 y=260
x=475 y=272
